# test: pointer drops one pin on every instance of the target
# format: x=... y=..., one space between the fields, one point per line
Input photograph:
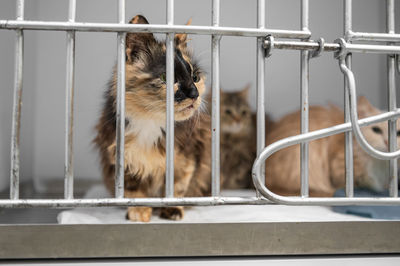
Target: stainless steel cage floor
x=33 y=233
x=227 y=239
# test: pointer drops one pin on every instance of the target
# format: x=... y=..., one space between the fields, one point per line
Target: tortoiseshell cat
x=238 y=139
x=326 y=156
x=145 y=123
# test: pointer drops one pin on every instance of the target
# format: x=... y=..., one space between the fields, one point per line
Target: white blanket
x=213 y=214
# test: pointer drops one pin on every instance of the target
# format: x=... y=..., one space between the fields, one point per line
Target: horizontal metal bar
x=368 y=48
x=153 y=202
x=307 y=45
x=314 y=135
x=334 y=47
x=377 y=37
x=156 y=28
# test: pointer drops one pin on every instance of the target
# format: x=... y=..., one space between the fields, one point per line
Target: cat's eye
x=377 y=130
x=163 y=77
x=195 y=78
x=398 y=133
x=228 y=112
x=244 y=112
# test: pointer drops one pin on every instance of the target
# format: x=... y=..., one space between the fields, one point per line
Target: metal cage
x=267 y=41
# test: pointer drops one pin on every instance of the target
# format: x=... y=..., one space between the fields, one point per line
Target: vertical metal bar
x=69 y=107
x=260 y=85
x=215 y=112
x=120 y=132
x=304 y=69
x=17 y=102
x=391 y=76
x=169 y=174
x=348 y=135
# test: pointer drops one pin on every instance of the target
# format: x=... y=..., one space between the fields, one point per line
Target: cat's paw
x=139 y=214
x=172 y=213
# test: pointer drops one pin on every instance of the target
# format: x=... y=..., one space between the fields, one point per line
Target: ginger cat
x=326 y=156
x=145 y=125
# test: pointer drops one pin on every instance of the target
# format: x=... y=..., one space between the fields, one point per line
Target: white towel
x=208 y=214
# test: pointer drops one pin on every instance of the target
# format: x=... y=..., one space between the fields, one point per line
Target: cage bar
x=124 y=202
x=17 y=103
x=260 y=84
x=215 y=111
x=334 y=47
x=348 y=137
x=120 y=116
x=195 y=201
x=373 y=49
x=391 y=76
x=374 y=37
x=154 y=28
x=69 y=107
x=169 y=174
x=304 y=81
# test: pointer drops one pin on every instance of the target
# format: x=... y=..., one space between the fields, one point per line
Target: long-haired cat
x=326 y=155
x=238 y=139
x=145 y=125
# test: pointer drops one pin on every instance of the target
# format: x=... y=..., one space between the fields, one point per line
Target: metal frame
x=69 y=105
x=266 y=42
x=121 y=29
x=215 y=113
x=120 y=114
x=210 y=239
x=343 y=50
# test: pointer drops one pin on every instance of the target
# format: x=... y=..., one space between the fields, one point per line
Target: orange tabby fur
x=326 y=155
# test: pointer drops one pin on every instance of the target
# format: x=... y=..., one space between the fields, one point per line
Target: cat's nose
x=192 y=92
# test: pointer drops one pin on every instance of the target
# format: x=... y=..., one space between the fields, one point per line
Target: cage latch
x=268 y=45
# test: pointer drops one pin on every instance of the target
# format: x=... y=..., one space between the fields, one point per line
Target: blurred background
x=42 y=131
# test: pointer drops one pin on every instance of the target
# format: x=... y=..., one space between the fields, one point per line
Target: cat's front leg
x=184 y=171
x=172 y=213
x=138 y=214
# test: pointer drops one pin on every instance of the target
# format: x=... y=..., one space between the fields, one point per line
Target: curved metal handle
x=354 y=116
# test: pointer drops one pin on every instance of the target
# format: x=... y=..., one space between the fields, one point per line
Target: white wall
x=7 y=44
x=42 y=141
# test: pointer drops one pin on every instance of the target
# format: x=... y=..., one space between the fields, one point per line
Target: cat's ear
x=181 y=38
x=244 y=93
x=364 y=107
x=137 y=42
